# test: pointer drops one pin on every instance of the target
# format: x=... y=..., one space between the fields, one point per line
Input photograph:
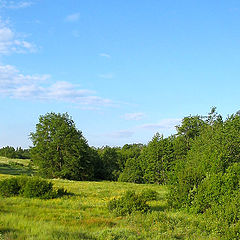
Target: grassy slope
x=15 y=166
x=85 y=216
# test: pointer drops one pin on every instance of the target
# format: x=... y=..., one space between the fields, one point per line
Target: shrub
x=31 y=187
x=9 y=187
x=149 y=194
x=38 y=188
x=128 y=203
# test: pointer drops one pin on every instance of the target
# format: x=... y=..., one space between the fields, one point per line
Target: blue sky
x=123 y=70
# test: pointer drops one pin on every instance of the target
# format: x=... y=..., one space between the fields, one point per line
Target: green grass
x=84 y=215
x=15 y=167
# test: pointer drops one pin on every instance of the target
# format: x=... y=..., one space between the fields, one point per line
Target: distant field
x=85 y=216
x=15 y=166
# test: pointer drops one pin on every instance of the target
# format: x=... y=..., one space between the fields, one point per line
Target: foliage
x=9 y=187
x=59 y=149
x=156 y=159
x=11 y=152
x=110 y=159
x=149 y=194
x=130 y=202
x=208 y=181
x=30 y=187
x=132 y=171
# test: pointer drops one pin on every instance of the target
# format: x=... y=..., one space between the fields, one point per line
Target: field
x=84 y=215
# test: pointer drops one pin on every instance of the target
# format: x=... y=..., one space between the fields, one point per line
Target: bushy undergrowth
x=149 y=194
x=30 y=187
x=130 y=202
x=208 y=180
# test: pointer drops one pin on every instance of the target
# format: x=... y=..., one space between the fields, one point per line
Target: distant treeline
x=11 y=152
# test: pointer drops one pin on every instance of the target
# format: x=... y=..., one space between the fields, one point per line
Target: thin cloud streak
x=105 y=55
x=72 y=17
x=121 y=134
x=163 y=124
x=15 y=5
x=133 y=116
x=106 y=76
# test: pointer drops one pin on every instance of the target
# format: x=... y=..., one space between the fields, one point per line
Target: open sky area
x=123 y=69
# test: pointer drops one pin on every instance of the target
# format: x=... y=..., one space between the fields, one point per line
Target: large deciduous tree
x=59 y=148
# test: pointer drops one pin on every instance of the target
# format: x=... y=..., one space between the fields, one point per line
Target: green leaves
x=59 y=149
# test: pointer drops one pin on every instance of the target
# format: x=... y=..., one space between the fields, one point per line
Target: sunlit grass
x=84 y=215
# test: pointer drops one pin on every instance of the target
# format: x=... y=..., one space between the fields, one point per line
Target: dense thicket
x=11 y=152
x=207 y=180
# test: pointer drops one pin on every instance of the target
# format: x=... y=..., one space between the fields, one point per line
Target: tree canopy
x=59 y=148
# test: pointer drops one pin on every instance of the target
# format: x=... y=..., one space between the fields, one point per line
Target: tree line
x=11 y=152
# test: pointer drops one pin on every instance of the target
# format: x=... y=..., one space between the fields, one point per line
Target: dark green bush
x=149 y=194
x=37 y=188
x=9 y=187
x=128 y=203
x=31 y=187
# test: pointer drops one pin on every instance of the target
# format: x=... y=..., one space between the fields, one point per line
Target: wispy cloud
x=121 y=134
x=165 y=124
x=15 y=4
x=10 y=43
x=39 y=87
x=133 y=116
x=105 y=55
x=76 y=33
x=106 y=75
x=72 y=17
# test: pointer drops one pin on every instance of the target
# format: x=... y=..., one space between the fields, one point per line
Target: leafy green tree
x=156 y=159
x=110 y=158
x=59 y=149
x=132 y=171
x=8 y=152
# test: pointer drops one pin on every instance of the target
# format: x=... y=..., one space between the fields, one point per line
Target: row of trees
x=11 y=152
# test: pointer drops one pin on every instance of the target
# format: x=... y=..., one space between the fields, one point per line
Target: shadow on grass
x=159 y=208
x=8 y=233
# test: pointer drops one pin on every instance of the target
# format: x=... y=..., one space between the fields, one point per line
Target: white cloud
x=104 y=55
x=10 y=43
x=106 y=75
x=165 y=124
x=73 y=17
x=14 y=4
x=133 y=116
x=17 y=85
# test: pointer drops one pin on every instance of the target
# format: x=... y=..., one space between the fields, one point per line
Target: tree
x=59 y=149
x=110 y=158
x=156 y=159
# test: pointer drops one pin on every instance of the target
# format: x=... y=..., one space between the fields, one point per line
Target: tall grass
x=84 y=215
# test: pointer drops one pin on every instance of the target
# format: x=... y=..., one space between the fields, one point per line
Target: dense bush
x=128 y=203
x=31 y=187
x=149 y=194
x=9 y=187
x=208 y=179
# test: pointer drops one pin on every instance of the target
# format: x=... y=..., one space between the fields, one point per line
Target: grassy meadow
x=84 y=214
